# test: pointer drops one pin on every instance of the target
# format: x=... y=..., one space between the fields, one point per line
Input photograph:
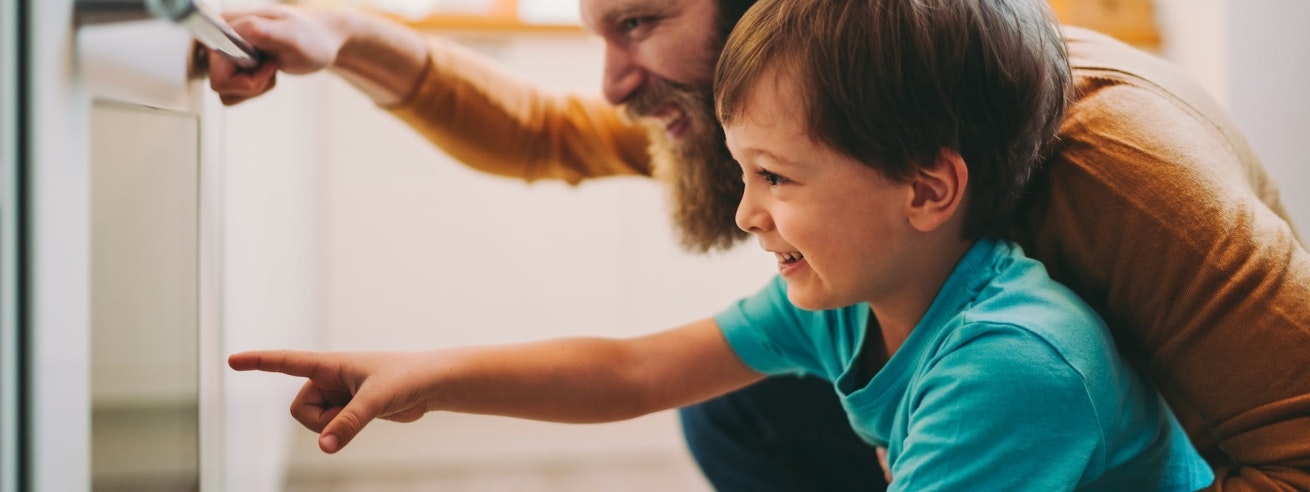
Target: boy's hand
x=345 y=391
x=882 y=460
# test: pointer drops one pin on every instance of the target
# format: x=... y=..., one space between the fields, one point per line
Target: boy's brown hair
x=893 y=82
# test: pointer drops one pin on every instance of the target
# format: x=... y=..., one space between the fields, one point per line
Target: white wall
x=1268 y=73
x=1195 y=38
x=423 y=252
x=1254 y=57
x=270 y=185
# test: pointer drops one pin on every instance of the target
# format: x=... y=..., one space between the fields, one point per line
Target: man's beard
x=704 y=181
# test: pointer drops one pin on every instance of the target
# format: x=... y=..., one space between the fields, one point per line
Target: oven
x=111 y=374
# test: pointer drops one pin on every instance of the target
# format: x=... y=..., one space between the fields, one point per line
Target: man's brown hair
x=730 y=12
x=892 y=83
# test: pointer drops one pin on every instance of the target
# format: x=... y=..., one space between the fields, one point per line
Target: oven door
x=116 y=330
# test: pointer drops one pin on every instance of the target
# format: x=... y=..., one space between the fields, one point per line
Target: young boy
x=883 y=144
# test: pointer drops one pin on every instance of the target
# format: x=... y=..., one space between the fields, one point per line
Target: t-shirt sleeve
x=1004 y=411
x=770 y=334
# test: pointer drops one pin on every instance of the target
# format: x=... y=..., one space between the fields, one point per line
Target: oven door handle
x=204 y=24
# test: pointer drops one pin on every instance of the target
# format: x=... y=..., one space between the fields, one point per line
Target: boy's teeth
x=788 y=257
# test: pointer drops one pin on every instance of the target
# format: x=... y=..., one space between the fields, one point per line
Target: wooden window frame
x=1132 y=21
x=503 y=16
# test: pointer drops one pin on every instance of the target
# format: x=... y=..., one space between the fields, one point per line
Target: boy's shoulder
x=1016 y=296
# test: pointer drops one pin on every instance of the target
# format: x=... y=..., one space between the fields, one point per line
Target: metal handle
x=205 y=25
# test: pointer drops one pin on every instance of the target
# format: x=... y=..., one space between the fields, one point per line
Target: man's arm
x=457 y=99
x=384 y=59
x=567 y=380
x=503 y=124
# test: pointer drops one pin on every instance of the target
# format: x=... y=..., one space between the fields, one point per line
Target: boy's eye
x=773 y=179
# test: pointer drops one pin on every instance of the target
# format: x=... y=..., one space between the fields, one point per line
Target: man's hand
x=295 y=41
x=345 y=391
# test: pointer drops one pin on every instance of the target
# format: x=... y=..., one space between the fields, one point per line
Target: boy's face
x=836 y=225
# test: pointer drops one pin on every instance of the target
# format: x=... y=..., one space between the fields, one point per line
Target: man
x=1151 y=207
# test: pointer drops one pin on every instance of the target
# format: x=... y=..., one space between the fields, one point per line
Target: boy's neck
x=891 y=320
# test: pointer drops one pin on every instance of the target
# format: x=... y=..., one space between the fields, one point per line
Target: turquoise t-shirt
x=1009 y=382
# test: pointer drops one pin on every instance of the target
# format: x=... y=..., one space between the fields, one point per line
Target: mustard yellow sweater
x=1153 y=209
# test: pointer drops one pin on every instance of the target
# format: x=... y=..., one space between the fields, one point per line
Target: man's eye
x=773 y=179
x=633 y=23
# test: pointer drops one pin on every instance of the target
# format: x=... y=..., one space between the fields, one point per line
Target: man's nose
x=623 y=76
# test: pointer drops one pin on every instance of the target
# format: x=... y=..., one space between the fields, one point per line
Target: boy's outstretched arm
x=564 y=380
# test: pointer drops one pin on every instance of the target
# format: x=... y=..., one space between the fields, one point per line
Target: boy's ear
x=938 y=191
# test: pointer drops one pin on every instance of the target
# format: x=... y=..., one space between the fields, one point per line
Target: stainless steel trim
x=10 y=372
x=204 y=24
x=213 y=356
x=208 y=27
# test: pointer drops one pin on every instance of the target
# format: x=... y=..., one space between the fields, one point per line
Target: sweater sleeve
x=1157 y=213
x=497 y=123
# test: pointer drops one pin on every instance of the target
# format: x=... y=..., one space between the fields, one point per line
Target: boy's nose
x=751 y=217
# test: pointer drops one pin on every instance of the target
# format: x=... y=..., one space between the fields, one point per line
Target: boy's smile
x=789 y=262
x=789 y=258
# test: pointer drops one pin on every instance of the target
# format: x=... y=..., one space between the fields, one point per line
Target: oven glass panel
x=144 y=312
